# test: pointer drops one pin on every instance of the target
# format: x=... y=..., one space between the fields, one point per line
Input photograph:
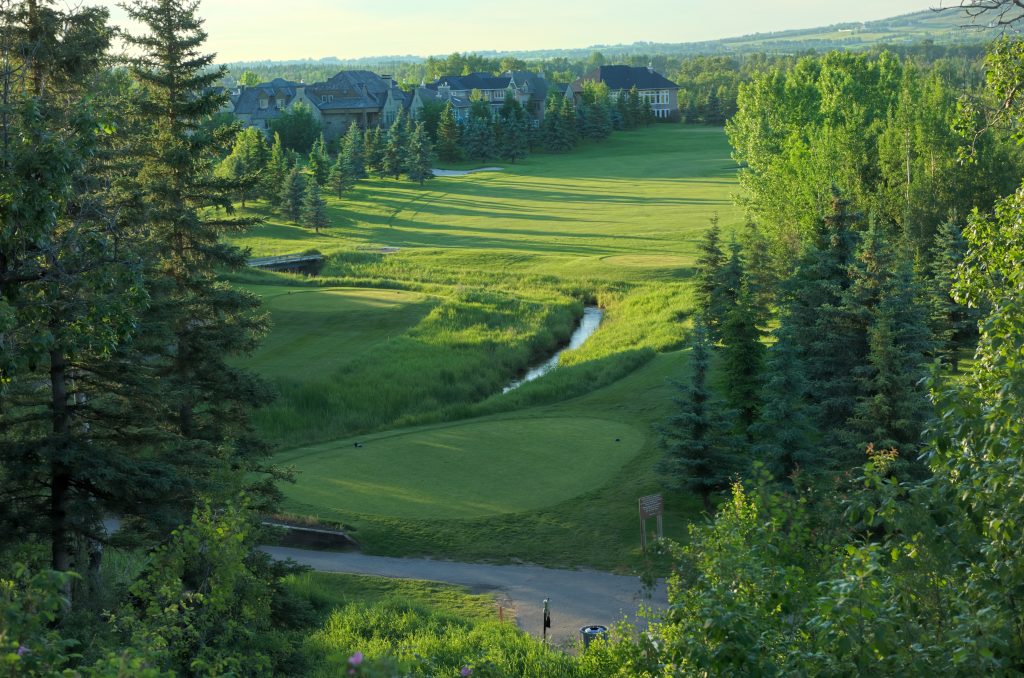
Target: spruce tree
x=339 y=180
x=709 y=273
x=393 y=158
x=319 y=163
x=314 y=210
x=277 y=170
x=478 y=139
x=700 y=450
x=352 y=153
x=421 y=155
x=567 y=124
x=783 y=436
x=373 y=152
x=247 y=161
x=449 y=148
x=551 y=139
x=634 y=108
x=292 y=193
x=743 y=358
x=954 y=325
x=196 y=324
x=515 y=139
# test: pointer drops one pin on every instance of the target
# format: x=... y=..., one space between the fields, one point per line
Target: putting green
x=316 y=330
x=464 y=471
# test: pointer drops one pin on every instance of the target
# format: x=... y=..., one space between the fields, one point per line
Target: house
x=424 y=94
x=529 y=89
x=662 y=93
x=350 y=97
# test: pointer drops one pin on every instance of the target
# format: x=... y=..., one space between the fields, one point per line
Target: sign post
x=651 y=506
x=547 y=618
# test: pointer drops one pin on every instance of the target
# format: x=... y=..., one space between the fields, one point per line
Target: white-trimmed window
x=326 y=98
x=264 y=103
x=280 y=102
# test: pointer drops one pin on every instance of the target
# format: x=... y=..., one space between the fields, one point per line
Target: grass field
x=406 y=352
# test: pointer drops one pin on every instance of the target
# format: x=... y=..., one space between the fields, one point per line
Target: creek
x=589 y=323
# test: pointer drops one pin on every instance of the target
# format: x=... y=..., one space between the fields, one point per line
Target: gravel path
x=462 y=173
x=578 y=597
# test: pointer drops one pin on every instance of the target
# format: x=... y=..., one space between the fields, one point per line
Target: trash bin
x=594 y=632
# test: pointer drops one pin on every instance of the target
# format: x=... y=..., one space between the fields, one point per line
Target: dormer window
x=326 y=98
x=280 y=102
x=264 y=103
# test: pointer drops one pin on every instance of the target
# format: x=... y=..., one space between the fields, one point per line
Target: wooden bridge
x=302 y=263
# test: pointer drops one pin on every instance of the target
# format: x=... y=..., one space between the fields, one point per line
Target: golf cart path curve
x=461 y=173
x=578 y=597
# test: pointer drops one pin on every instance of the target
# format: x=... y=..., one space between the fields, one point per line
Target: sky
x=253 y=30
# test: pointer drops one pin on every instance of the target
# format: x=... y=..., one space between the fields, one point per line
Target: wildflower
x=356 y=659
x=466 y=671
x=22 y=650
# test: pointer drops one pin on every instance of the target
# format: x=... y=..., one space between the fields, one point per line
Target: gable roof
x=247 y=101
x=473 y=81
x=535 y=84
x=625 y=77
x=350 y=89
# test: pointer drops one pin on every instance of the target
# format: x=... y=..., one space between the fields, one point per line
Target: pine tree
x=449 y=148
x=954 y=325
x=700 y=452
x=743 y=358
x=277 y=170
x=292 y=193
x=478 y=139
x=421 y=155
x=784 y=432
x=395 y=148
x=514 y=140
x=319 y=163
x=352 y=153
x=195 y=323
x=634 y=108
x=373 y=152
x=246 y=162
x=314 y=210
x=339 y=179
x=567 y=124
x=709 y=273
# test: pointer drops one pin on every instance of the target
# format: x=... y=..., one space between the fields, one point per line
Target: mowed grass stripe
x=469 y=470
x=317 y=330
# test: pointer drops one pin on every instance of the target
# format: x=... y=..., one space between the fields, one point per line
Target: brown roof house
x=652 y=86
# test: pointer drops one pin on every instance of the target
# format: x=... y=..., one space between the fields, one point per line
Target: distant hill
x=948 y=27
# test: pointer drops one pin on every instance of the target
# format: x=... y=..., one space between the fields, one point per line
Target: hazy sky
x=295 y=29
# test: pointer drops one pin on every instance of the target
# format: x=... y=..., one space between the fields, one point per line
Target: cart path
x=578 y=597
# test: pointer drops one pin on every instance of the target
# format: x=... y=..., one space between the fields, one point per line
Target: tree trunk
x=60 y=474
x=705 y=496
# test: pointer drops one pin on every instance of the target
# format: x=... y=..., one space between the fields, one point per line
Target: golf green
x=462 y=471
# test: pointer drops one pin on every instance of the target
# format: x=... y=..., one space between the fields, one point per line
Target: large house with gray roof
x=350 y=97
x=529 y=89
x=662 y=93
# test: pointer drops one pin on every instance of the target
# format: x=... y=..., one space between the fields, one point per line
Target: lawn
x=405 y=351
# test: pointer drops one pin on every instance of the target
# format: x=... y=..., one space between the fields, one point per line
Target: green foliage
x=275 y=173
x=298 y=128
x=420 y=155
x=373 y=151
x=449 y=146
x=319 y=163
x=352 y=153
x=478 y=139
x=247 y=162
x=314 y=210
x=701 y=452
x=708 y=295
x=394 y=158
x=292 y=193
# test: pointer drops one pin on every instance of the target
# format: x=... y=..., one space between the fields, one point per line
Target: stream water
x=589 y=323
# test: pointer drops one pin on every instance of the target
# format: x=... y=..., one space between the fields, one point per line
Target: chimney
x=300 y=91
x=650 y=66
x=388 y=79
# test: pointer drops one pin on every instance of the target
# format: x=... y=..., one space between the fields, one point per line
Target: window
x=280 y=102
x=264 y=103
x=326 y=98
x=499 y=94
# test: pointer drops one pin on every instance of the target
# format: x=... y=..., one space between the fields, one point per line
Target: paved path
x=578 y=597
x=462 y=173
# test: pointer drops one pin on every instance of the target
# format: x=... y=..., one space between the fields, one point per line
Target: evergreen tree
x=339 y=180
x=622 y=116
x=743 y=358
x=634 y=108
x=277 y=170
x=246 y=162
x=709 y=266
x=393 y=158
x=196 y=324
x=647 y=113
x=449 y=148
x=761 y=276
x=351 y=153
x=478 y=139
x=292 y=194
x=514 y=139
x=314 y=210
x=784 y=432
x=700 y=451
x=954 y=325
x=567 y=124
x=831 y=344
x=421 y=155
x=373 y=152
x=319 y=163
x=553 y=132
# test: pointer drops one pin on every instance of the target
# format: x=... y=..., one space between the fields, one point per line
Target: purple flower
x=22 y=650
x=466 y=671
x=356 y=659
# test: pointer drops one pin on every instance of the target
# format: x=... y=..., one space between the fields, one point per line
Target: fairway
x=316 y=330
x=646 y=195
x=463 y=471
